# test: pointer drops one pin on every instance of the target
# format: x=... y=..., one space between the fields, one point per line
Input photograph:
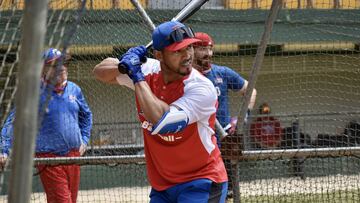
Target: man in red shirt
x=177 y=109
x=266 y=130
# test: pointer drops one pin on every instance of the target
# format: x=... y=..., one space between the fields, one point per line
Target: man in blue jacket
x=66 y=122
x=223 y=78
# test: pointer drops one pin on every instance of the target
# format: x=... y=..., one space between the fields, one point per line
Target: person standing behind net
x=176 y=106
x=266 y=131
x=224 y=79
x=66 y=122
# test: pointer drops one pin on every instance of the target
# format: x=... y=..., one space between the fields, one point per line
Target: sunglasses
x=55 y=64
x=180 y=34
x=55 y=67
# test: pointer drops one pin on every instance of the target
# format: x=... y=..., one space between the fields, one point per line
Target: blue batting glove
x=131 y=62
x=141 y=51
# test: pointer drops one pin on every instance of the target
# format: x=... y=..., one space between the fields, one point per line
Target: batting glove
x=140 y=51
x=132 y=64
x=131 y=61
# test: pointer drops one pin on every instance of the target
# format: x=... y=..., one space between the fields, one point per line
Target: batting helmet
x=51 y=55
x=206 y=40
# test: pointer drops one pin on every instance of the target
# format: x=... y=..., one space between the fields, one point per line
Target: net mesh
x=309 y=78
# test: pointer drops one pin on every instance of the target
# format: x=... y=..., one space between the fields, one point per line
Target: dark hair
x=264 y=108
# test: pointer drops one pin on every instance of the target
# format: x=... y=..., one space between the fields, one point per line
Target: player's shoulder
x=224 y=71
x=198 y=81
x=196 y=77
x=219 y=68
x=150 y=66
x=73 y=86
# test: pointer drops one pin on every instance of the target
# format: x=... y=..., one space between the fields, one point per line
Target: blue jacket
x=66 y=122
x=223 y=79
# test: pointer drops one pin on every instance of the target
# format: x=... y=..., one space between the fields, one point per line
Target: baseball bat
x=220 y=130
x=143 y=14
x=185 y=13
x=189 y=10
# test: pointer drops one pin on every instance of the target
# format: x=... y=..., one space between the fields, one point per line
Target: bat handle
x=122 y=68
x=149 y=45
x=220 y=130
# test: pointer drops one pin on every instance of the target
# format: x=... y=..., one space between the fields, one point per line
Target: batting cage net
x=298 y=142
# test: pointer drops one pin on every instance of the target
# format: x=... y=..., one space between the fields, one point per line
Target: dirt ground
x=271 y=187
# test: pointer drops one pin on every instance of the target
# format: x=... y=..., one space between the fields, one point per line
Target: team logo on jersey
x=268 y=129
x=72 y=98
x=218 y=80
x=147 y=125
x=169 y=138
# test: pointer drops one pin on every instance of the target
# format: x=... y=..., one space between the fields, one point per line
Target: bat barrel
x=189 y=10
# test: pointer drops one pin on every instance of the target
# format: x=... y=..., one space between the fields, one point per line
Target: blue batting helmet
x=51 y=55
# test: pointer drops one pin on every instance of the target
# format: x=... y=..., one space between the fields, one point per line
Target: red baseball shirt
x=192 y=153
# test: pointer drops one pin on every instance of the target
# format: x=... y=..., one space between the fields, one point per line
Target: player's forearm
x=86 y=131
x=252 y=99
x=253 y=95
x=152 y=107
x=107 y=70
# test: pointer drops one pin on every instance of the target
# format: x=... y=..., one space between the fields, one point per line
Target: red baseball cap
x=206 y=40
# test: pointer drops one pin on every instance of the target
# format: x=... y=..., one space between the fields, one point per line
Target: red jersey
x=192 y=153
x=266 y=131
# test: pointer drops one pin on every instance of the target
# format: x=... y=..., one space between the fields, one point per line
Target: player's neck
x=169 y=75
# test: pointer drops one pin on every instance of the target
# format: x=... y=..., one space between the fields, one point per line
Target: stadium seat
x=9 y=4
x=241 y=4
x=58 y=5
x=126 y=4
x=102 y=4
